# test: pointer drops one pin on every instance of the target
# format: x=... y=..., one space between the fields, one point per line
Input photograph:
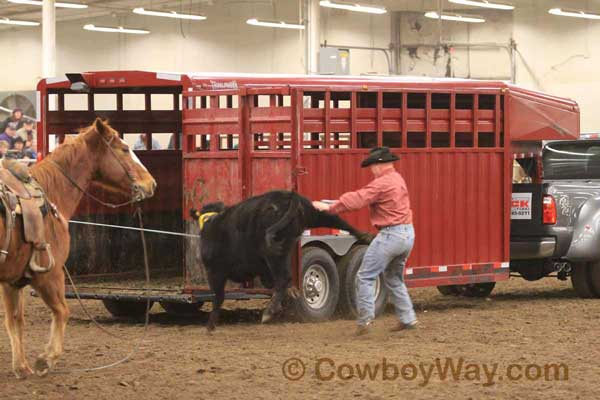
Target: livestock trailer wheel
x=348 y=267
x=126 y=308
x=320 y=286
x=181 y=309
x=477 y=289
x=450 y=290
x=582 y=280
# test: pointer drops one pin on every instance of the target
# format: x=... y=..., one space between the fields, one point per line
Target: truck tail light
x=549 y=210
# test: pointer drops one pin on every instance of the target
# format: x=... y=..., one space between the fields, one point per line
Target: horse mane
x=65 y=153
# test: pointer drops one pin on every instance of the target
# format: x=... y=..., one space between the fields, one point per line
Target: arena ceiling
x=119 y=8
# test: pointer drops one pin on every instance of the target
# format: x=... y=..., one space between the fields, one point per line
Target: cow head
x=217 y=207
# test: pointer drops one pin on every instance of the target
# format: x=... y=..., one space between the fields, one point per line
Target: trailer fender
x=585 y=244
x=339 y=245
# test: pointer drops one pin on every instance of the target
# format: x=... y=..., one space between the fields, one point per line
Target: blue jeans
x=387 y=253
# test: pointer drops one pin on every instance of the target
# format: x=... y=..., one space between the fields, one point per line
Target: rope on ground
x=146 y=322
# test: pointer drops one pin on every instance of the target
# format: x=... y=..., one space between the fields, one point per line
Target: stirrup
x=34 y=264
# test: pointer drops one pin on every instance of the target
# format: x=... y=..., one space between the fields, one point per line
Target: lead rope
x=146 y=322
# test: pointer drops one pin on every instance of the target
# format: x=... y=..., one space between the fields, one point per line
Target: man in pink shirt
x=389 y=210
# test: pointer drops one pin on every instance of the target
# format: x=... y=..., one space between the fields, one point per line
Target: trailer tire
x=477 y=289
x=126 y=308
x=594 y=276
x=319 y=286
x=581 y=280
x=449 y=290
x=182 y=309
x=348 y=267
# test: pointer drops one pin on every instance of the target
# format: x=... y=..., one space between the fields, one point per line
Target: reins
x=88 y=194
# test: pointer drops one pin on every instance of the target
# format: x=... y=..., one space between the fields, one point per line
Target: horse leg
x=14 y=307
x=52 y=290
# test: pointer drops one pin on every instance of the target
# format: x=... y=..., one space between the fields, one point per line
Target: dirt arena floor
x=528 y=341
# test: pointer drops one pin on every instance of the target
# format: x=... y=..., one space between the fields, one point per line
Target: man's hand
x=319 y=205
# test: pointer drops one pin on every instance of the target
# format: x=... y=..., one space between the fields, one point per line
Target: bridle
x=135 y=195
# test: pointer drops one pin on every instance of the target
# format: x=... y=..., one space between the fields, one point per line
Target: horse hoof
x=41 y=367
x=23 y=372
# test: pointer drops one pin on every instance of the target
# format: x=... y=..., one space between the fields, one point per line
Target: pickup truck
x=555 y=218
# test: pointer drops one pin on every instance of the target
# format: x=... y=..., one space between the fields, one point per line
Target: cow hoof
x=266 y=317
x=23 y=372
x=42 y=367
x=293 y=292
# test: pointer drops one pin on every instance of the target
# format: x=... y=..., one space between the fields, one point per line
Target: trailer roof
x=532 y=115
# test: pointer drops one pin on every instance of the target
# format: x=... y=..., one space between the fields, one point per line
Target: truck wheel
x=181 y=309
x=319 y=286
x=581 y=279
x=126 y=308
x=595 y=277
x=449 y=290
x=348 y=267
x=477 y=289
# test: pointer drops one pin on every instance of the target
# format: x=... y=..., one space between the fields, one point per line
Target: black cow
x=256 y=238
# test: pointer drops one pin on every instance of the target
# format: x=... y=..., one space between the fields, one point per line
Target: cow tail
x=323 y=219
x=272 y=231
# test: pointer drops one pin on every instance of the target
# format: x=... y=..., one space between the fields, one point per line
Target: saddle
x=20 y=194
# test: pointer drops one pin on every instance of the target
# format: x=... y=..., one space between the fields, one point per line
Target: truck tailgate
x=526 y=210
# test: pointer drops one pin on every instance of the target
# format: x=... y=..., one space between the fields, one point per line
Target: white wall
x=476 y=62
x=561 y=55
x=224 y=42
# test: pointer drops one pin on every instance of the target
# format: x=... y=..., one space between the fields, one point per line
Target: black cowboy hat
x=379 y=155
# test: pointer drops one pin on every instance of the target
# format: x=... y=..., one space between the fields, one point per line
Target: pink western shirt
x=387 y=198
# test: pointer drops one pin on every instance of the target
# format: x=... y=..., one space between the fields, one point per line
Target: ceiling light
x=168 y=14
x=39 y=3
x=18 y=22
x=573 y=13
x=484 y=3
x=454 y=17
x=274 y=24
x=353 y=7
x=118 y=29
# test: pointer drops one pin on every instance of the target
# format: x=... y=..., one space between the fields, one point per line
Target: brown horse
x=96 y=155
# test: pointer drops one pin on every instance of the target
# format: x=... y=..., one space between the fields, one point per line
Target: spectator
x=28 y=152
x=27 y=133
x=9 y=135
x=4 y=147
x=17 y=151
x=142 y=143
x=15 y=120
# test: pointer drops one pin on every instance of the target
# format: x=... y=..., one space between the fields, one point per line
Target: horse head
x=118 y=169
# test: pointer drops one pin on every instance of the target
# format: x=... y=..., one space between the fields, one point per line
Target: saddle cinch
x=20 y=194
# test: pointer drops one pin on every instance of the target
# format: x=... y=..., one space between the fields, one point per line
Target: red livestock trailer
x=235 y=136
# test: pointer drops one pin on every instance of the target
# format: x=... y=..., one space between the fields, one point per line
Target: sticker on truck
x=520 y=206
